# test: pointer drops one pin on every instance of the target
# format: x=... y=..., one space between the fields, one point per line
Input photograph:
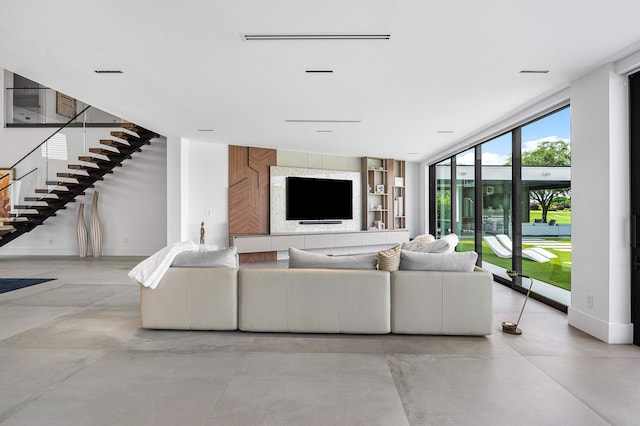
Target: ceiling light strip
x=108 y=72
x=319 y=71
x=323 y=121
x=534 y=71
x=286 y=37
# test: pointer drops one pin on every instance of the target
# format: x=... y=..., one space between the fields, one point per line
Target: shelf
x=379 y=210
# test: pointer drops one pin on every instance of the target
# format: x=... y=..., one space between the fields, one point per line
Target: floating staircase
x=101 y=161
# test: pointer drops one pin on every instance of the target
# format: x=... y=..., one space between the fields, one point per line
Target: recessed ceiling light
x=324 y=131
x=534 y=71
x=444 y=131
x=323 y=121
x=205 y=130
x=108 y=72
x=327 y=36
x=319 y=71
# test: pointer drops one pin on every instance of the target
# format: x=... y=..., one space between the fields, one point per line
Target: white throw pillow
x=304 y=259
x=438 y=246
x=453 y=262
x=452 y=239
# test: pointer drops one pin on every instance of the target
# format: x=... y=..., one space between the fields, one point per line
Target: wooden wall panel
x=249 y=191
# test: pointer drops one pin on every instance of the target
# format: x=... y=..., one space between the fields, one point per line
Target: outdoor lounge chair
x=503 y=252
x=506 y=241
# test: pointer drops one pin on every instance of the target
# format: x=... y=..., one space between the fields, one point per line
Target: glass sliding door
x=443 y=198
x=465 y=200
x=546 y=203
x=496 y=203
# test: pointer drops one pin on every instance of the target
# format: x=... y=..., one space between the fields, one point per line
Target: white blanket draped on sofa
x=150 y=271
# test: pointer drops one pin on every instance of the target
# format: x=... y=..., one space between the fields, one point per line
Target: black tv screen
x=319 y=199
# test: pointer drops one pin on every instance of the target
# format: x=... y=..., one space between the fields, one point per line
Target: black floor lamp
x=509 y=327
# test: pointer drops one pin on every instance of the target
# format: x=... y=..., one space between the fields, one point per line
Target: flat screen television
x=319 y=199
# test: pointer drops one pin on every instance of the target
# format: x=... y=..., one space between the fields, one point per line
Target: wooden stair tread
x=115 y=144
x=73 y=175
x=14 y=220
x=101 y=151
x=90 y=159
x=82 y=167
x=124 y=135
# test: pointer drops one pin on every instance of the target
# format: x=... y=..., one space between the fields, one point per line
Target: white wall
x=414 y=193
x=600 y=206
x=207 y=173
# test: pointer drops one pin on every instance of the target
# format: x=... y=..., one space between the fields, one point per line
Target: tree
x=550 y=154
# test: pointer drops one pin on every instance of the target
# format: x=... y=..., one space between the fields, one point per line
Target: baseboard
x=613 y=333
x=68 y=251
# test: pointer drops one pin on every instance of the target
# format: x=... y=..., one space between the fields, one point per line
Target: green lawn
x=563 y=216
x=555 y=272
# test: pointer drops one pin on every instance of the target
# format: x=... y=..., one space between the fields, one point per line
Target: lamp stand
x=509 y=327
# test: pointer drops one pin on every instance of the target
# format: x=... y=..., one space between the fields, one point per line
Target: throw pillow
x=304 y=259
x=453 y=242
x=389 y=260
x=418 y=241
x=454 y=262
x=438 y=246
x=223 y=258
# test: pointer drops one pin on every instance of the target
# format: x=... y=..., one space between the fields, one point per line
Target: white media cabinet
x=365 y=240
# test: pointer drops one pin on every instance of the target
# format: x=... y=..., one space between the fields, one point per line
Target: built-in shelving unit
x=384 y=195
x=399 y=181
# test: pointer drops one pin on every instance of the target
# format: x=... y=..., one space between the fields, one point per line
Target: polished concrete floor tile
x=90 y=328
x=131 y=388
x=439 y=390
x=608 y=385
x=316 y=343
x=311 y=389
x=27 y=374
x=188 y=340
x=487 y=346
x=16 y=319
x=69 y=295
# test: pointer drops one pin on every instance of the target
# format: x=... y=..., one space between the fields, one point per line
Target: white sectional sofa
x=320 y=301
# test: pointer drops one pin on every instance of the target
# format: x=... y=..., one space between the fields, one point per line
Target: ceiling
x=449 y=68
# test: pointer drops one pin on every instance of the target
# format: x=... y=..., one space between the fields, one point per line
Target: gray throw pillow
x=453 y=262
x=304 y=259
x=223 y=258
x=438 y=246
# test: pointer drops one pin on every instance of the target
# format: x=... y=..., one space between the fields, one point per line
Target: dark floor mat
x=10 y=284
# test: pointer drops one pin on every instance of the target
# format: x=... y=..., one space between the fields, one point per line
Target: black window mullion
x=432 y=200
x=516 y=198
x=454 y=196
x=477 y=202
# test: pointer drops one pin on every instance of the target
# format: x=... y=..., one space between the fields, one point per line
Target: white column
x=600 y=273
x=177 y=189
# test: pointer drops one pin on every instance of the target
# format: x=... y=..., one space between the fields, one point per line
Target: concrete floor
x=72 y=353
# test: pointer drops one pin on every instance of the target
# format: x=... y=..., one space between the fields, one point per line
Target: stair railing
x=38 y=171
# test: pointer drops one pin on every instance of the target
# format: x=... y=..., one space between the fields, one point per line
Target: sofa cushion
x=304 y=259
x=222 y=258
x=438 y=246
x=453 y=240
x=454 y=262
x=389 y=260
x=418 y=241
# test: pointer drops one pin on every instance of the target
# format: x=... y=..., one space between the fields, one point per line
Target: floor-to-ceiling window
x=496 y=203
x=465 y=200
x=546 y=196
x=510 y=199
x=443 y=198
